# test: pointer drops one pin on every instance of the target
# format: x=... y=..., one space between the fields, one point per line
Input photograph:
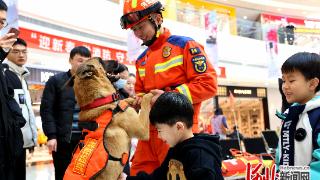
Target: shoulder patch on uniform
x=195 y=50
x=142 y=55
x=199 y=63
x=180 y=41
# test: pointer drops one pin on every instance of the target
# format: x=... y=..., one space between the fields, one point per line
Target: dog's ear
x=112 y=78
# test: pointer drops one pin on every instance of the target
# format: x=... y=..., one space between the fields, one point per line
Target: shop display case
x=247 y=115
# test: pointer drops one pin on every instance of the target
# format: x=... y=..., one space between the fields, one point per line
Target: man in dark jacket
x=11 y=119
x=59 y=113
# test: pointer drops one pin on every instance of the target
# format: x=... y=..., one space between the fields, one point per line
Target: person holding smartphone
x=11 y=119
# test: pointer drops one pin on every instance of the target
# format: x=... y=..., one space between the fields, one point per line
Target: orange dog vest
x=90 y=159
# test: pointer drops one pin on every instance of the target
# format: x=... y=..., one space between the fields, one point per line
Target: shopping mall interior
x=246 y=41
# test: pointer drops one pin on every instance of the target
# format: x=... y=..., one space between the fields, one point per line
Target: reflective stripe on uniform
x=142 y=72
x=134 y=3
x=173 y=62
x=184 y=89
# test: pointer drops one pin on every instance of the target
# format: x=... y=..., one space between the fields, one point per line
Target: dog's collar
x=101 y=101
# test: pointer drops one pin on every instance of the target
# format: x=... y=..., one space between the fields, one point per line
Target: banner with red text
x=58 y=44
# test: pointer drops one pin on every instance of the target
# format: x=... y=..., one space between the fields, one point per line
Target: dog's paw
x=146 y=99
x=130 y=101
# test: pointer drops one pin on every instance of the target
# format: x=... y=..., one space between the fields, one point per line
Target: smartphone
x=15 y=31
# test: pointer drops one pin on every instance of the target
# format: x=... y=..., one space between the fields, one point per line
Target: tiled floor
x=40 y=172
x=39 y=165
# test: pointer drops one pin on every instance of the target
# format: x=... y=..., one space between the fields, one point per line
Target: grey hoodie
x=29 y=131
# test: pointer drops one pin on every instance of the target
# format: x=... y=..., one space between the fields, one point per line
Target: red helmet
x=135 y=11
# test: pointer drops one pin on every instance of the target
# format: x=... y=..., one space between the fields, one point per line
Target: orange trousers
x=149 y=154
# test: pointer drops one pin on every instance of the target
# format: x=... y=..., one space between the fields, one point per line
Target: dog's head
x=91 y=82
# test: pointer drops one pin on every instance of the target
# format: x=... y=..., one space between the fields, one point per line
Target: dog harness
x=91 y=156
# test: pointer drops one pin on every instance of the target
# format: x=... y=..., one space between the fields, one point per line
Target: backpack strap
x=314 y=119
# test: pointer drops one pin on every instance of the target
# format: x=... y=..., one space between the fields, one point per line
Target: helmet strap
x=156 y=34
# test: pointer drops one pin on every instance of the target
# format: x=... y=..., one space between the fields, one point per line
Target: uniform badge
x=199 y=63
x=194 y=51
x=166 y=51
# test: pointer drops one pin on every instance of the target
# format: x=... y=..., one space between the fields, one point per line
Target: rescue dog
x=90 y=84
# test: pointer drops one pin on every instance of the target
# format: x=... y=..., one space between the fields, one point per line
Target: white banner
x=134 y=47
x=211 y=27
x=273 y=62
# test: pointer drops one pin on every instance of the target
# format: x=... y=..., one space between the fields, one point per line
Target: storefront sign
x=45 y=75
x=40 y=76
x=59 y=44
x=242 y=91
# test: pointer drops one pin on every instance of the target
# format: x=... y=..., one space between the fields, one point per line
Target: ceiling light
x=245 y=17
x=279 y=9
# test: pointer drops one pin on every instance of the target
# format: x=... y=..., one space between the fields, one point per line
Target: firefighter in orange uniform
x=170 y=63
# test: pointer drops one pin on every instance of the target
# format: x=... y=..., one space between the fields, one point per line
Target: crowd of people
x=178 y=72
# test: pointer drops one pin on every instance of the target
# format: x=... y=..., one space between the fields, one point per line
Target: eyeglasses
x=3 y=23
x=23 y=52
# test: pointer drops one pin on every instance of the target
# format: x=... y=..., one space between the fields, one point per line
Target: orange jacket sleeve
x=201 y=76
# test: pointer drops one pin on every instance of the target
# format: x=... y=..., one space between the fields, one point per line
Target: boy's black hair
x=170 y=108
x=20 y=42
x=3 y=6
x=81 y=50
x=306 y=63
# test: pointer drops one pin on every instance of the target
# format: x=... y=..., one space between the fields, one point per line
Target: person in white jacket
x=299 y=141
x=15 y=74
